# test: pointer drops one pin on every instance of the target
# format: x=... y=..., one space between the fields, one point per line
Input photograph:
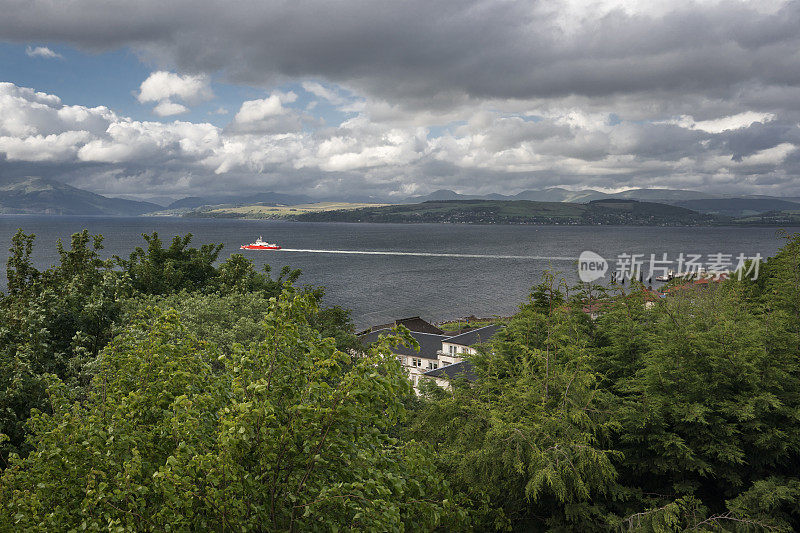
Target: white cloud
x=514 y=94
x=37 y=148
x=166 y=108
x=25 y=112
x=161 y=85
x=9 y=89
x=320 y=91
x=359 y=144
x=268 y=116
x=271 y=106
x=718 y=125
x=266 y=146
x=42 y=51
x=770 y=156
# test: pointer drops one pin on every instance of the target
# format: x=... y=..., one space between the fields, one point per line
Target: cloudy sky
x=367 y=97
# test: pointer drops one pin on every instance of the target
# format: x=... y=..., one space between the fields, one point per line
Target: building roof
x=414 y=323
x=429 y=343
x=475 y=336
x=464 y=369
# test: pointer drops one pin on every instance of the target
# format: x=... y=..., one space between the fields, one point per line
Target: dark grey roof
x=456 y=370
x=414 y=323
x=476 y=336
x=429 y=343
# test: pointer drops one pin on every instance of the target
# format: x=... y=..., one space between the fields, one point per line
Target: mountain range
x=607 y=212
x=34 y=195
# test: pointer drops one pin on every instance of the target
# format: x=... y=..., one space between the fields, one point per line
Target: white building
x=437 y=352
x=416 y=362
x=455 y=348
x=445 y=374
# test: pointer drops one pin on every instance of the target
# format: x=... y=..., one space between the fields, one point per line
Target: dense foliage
x=669 y=415
x=171 y=391
x=56 y=322
x=289 y=434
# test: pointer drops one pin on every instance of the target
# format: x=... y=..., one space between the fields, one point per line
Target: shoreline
x=405 y=223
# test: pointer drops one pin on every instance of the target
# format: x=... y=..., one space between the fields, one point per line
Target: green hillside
x=737 y=207
x=518 y=212
x=773 y=218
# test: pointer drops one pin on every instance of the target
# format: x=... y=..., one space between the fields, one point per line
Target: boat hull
x=253 y=247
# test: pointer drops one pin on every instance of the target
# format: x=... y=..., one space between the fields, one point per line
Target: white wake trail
x=431 y=254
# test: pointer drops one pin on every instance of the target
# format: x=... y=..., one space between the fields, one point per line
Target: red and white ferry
x=260 y=244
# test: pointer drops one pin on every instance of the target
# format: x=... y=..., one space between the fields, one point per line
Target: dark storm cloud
x=747 y=141
x=419 y=49
x=523 y=95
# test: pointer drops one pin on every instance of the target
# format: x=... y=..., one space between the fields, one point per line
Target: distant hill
x=270 y=212
x=789 y=217
x=559 y=194
x=162 y=201
x=441 y=195
x=695 y=200
x=271 y=198
x=33 y=195
x=553 y=194
x=662 y=195
x=738 y=207
x=601 y=212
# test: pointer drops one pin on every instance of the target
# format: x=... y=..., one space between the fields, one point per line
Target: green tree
x=524 y=443
x=290 y=434
x=709 y=385
x=52 y=322
x=237 y=274
x=235 y=318
x=58 y=320
x=160 y=270
x=20 y=271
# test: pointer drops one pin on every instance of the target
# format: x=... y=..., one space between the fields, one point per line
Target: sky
x=359 y=99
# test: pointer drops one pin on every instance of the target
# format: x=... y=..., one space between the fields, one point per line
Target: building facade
x=437 y=352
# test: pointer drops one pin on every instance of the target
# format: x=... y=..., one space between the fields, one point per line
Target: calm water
x=379 y=288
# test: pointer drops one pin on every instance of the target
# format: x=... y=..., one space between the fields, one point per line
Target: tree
x=235 y=318
x=709 y=384
x=20 y=271
x=237 y=274
x=524 y=442
x=290 y=434
x=160 y=270
x=52 y=322
x=57 y=321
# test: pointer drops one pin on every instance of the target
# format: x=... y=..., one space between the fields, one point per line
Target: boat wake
x=431 y=254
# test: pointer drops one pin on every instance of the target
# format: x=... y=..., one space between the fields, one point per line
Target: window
x=452 y=350
x=416 y=362
x=432 y=365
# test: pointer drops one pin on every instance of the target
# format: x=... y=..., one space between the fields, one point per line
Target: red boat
x=260 y=244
